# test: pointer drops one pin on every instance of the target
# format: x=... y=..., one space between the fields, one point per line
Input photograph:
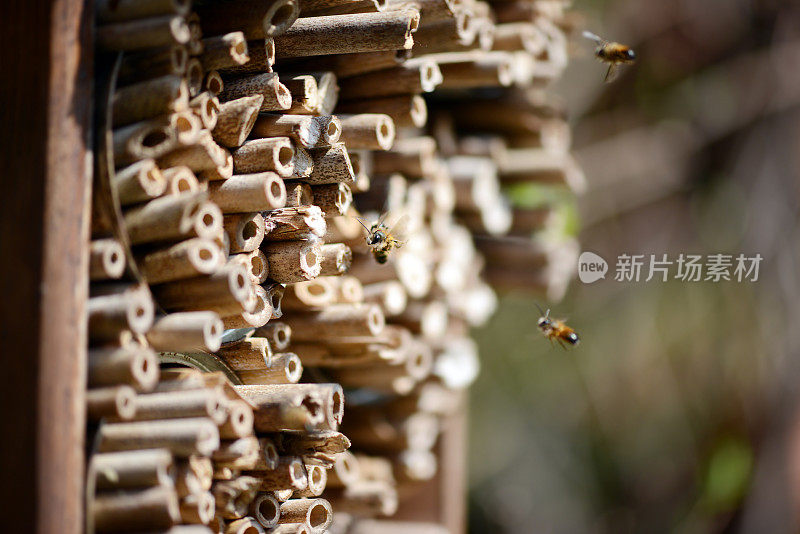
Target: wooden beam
x=44 y=268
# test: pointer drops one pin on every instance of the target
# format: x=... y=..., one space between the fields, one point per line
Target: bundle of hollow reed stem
x=241 y=132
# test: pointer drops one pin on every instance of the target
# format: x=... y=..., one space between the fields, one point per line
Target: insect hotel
x=207 y=340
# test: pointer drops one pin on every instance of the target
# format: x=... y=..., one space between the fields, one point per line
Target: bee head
x=378 y=237
x=630 y=55
x=544 y=322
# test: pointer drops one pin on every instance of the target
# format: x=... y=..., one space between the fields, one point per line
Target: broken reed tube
x=341 y=34
x=336 y=259
x=333 y=199
x=331 y=165
x=188 y=331
x=276 y=96
x=307 y=130
x=284 y=407
x=302 y=222
x=223 y=51
x=236 y=119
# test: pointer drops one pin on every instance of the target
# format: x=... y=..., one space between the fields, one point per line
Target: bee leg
x=560 y=342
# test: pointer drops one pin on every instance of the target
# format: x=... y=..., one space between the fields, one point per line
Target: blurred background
x=678 y=412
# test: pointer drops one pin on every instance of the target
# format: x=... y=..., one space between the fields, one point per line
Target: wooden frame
x=46 y=56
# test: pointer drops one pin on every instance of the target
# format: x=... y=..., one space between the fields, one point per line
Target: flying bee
x=382 y=239
x=555 y=329
x=614 y=54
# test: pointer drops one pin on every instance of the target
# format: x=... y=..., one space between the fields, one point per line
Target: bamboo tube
x=186 y=259
x=331 y=165
x=142 y=33
x=246 y=525
x=203 y=155
x=147 y=509
x=114 y=402
x=363 y=32
x=268 y=457
x=236 y=119
x=276 y=96
x=467 y=71
x=245 y=231
x=337 y=321
x=150 y=98
x=248 y=354
x=451 y=34
x=316 y=293
x=197 y=508
x=122 y=308
x=239 y=453
x=181 y=180
x=317 y=480
x=422 y=77
x=350 y=290
x=213 y=83
x=336 y=259
x=262 y=58
x=270 y=154
x=366 y=499
x=290 y=473
x=194 y=76
x=110 y=367
x=153 y=138
x=351 y=64
x=106 y=259
x=518 y=36
x=414 y=157
x=327 y=91
x=226 y=292
x=247 y=193
x=227 y=50
x=404 y=110
x=183 y=437
x=266 y=509
x=316 y=514
x=370 y=131
x=304 y=129
x=332 y=396
x=283 y=407
x=327 y=441
x=206 y=106
x=256 y=19
x=177 y=404
x=233 y=497
x=312 y=8
x=172 y=218
x=333 y=199
x=428 y=319
x=390 y=295
x=293 y=261
x=298 y=194
x=240 y=421
x=285 y=368
x=131 y=469
x=345 y=471
x=120 y=11
x=153 y=63
x=278 y=334
x=220 y=172
x=193 y=475
x=139 y=182
x=305 y=93
x=188 y=331
x=302 y=222
x=256 y=264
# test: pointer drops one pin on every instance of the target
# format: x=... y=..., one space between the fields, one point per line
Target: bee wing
x=611 y=73
x=399 y=229
x=592 y=37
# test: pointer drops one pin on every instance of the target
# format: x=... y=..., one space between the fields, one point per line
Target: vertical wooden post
x=46 y=55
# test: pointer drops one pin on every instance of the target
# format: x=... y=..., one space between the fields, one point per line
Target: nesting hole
x=269 y=510
x=285 y=155
x=155 y=138
x=250 y=230
x=317 y=516
x=283 y=15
